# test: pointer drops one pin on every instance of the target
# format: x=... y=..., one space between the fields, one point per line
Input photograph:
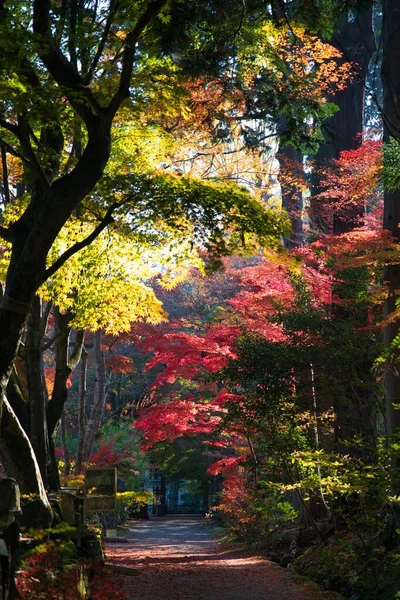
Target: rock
x=286 y=559
x=290 y=535
x=122 y=569
x=92 y=545
x=310 y=535
x=35 y=514
x=275 y=556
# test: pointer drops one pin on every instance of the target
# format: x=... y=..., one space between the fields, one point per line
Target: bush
x=130 y=502
x=354 y=567
x=51 y=572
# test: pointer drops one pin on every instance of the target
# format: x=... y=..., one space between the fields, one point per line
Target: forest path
x=177 y=559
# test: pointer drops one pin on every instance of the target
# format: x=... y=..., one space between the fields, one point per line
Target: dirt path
x=176 y=559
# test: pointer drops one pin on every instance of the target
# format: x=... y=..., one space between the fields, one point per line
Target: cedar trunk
x=356 y=40
x=391 y=118
x=344 y=131
x=292 y=198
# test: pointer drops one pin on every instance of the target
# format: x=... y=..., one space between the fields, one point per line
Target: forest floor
x=176 y=558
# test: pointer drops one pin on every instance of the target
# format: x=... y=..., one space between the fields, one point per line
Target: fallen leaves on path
x=179 y=561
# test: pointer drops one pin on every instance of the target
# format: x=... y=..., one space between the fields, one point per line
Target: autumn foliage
x=294 y=306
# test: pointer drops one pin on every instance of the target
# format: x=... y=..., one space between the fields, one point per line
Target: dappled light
x=180 y=556
x=199 y=299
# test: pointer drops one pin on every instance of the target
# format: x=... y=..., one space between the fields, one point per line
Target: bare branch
x=72 y=33
x=61 y=22
x=75 y=356
x=45 y=318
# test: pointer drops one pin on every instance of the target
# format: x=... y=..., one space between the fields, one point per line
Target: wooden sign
x=100 y=490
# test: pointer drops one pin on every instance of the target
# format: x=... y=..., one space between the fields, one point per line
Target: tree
x=391 y=121
x=354 y=37
x=283 y=361
x=76 y=69
x=86 y=67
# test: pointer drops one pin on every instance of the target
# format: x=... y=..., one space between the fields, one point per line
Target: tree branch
x=75 y=356
x=49 y=343
x=30 y=155
x=45 y=318
x=72 y=33
x=13 y=151
x=61 y=21
x=5 y=233
x=61 y=260
x=129 y=53
x=63 y=71
x=4 y=166
x=111 y=14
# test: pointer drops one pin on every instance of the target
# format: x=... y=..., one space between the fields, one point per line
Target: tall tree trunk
x=99 y=399
x=62 y=372
x=64 y=445
x=37 y=388
x=66 y=362
x=20 y=462
x=292 y=197
x=82 y=413
x=344 y=131
x=355 y=38
x=391 y=220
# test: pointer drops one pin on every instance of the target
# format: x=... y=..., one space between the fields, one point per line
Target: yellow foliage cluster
x=105 y=285
x=15 y=170
x=305 y=67
x=131 y=498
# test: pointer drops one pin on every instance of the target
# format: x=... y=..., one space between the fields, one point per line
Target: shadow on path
x=177 y=559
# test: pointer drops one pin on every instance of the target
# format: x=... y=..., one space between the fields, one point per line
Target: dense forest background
x=200 y=268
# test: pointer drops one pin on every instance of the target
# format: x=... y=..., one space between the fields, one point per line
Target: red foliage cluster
x=177 y=418
x=361 y=246
x=107 y=587
x=263 y=290
x=49 y=374
x=112 y=453
x=234 y=502
x=211 y=99
x=118 y=363
x=225 y=465
x=350 y=185
x=106 y=456
x=44 y=577
x=186 y=354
